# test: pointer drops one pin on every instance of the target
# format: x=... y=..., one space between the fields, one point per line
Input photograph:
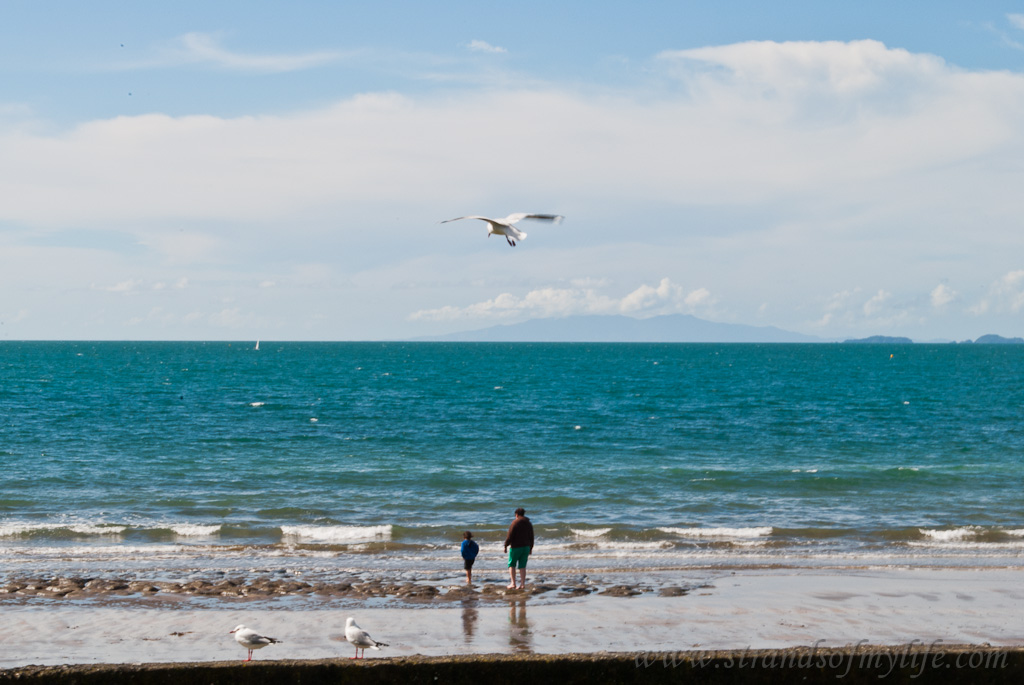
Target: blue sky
x=241 y=170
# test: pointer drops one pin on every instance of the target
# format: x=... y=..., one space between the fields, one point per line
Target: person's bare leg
x=511 y=577
x=522 y=578
x=469 y=576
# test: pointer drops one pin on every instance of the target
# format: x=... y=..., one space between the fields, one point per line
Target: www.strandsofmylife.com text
x=913 y=658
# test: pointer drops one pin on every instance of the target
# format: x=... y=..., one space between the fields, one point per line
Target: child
x=469 y=551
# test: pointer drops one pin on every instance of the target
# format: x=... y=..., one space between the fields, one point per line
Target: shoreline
x=764 y=609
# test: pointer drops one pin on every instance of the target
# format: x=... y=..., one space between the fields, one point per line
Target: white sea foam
x=602 y=546
x=952 y=535
x=194 y=530
x=86 y=553
x=977 y=549
x=590 y=533
x=256 y=404
x=719 y=532
x=340 y=534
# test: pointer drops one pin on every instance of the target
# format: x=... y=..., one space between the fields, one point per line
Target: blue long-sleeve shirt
x=470 y=549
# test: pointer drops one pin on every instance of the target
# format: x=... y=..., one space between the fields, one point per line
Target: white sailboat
x=257 y=345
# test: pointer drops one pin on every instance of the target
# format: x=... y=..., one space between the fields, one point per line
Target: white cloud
x=698 y=297
x=646 y=297
x=232 y=318
x=483 y=46
x=765 y=172
x=738 y=137
x=1017 y=20
x=848 y=310
x=1005 y=295
x=124 y=286
x=942 y=295
x=830 y=68
x=542 y=303
x=206 y=48
x=876 y=303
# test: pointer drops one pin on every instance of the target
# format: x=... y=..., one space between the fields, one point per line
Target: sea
x=164 y=459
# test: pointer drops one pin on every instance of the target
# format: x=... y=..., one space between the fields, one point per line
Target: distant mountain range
x=667 y=328
x=670 y=328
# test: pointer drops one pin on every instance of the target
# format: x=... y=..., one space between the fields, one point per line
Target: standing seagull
x=506 y=226
x=250 y=639
x=360 y=638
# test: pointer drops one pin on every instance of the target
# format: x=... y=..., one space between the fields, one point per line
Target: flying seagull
x=250 y=639
x=360 y=638
x=506 y=226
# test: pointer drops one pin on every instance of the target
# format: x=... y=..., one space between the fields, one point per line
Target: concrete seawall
x=852 y=664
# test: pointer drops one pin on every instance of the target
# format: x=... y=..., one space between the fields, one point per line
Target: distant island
x=992 y=339
x=882 y=339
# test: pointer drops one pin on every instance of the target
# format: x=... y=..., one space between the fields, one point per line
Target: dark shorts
x=468 y=563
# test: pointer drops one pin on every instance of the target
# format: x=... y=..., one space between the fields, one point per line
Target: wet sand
x=755 y=609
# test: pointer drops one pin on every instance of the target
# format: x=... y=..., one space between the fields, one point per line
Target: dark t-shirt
x=520 y=533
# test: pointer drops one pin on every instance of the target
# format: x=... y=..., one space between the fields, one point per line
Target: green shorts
x=517 y=556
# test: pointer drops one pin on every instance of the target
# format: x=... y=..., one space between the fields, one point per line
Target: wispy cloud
x=666 y=297
x=207 y=49
x=852 y=309
x=876 y=303
x=484 y=46
x=1016 y=20
x=1005 y=295
x=133 y=285
x=752 y=170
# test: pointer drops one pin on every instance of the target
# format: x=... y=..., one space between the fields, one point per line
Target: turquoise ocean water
x=162 y=457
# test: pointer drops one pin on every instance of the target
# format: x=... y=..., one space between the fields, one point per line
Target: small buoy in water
x=579 y=428
x=890 y=356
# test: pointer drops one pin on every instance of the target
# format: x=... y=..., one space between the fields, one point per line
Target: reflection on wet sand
x=469 y=618
x=519 y=637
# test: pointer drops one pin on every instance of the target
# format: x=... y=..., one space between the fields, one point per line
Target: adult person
x=518 y=544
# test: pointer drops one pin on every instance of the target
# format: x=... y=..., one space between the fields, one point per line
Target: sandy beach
x=754 y=609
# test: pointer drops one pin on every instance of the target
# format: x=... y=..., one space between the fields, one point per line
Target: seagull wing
x=361 y=638
x=356 y=635
x=251 y=638
x=513 y=218
x=460 y=218
x=373 y=643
